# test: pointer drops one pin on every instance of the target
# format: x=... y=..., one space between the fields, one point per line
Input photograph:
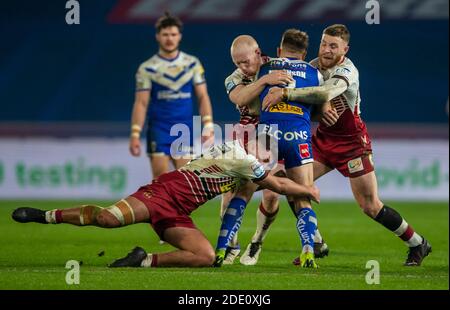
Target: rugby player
x=243 y=89
x=346 y=145
x=168 y=201
x=290 y=123
x=167 y=82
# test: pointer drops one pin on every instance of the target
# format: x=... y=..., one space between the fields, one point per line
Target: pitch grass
x=33 y=256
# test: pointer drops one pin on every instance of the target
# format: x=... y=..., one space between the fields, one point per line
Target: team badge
x=355 y=165
x=304 y=150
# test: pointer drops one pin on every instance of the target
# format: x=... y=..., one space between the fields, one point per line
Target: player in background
x=246 y=55
x=346 y=145
x=167 y=82
x=168 y=201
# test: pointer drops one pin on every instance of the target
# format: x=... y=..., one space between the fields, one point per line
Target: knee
x=107 y=220
x=270 y=200
x=206 y=258
x=370 y=205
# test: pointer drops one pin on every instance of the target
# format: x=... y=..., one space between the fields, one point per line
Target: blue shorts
x=159 y=140
x=294 y=143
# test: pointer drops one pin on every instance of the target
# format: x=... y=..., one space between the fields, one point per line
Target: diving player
x=168 y=201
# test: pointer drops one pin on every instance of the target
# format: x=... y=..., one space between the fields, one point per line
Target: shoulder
x=346 y=67
x=314 y=62
x=190 y=59
x=150 y=63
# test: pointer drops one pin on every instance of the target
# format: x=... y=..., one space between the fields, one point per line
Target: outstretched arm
x=285 y=186
x=309 y=95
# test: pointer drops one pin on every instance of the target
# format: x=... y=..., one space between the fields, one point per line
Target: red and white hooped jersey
x=348 y=104
x=220 y=169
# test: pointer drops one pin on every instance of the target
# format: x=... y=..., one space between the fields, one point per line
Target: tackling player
x=168 y=80
x=346 y=146
x=168 y=201
x=243 y=89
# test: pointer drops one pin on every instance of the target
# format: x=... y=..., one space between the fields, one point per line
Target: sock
x=393 y=221
x=263 y=221
x=231 y=222
x=306 y=227
x=317 y=236
x=150 y=261
x=53 y=216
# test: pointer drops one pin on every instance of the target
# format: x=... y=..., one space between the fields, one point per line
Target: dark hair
x=295 y=40
x=338 y=30
x=168 y=20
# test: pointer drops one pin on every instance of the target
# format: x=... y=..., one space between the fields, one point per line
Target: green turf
x=33 y=256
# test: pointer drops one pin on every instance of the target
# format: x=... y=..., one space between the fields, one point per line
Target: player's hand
x=314 y=194
x=135 y=146
x=330 y=117
x=274 y=96
x=278 y=77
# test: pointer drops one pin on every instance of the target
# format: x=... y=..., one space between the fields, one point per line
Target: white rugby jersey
x=170 y=82
x=222 y=168
x=248 y=114
x=346 y=70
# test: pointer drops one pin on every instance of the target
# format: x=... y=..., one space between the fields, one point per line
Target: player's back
x=220 y=169
x=304 y=75
x=170 y=82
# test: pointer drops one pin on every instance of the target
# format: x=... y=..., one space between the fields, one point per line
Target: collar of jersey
x=169 y=59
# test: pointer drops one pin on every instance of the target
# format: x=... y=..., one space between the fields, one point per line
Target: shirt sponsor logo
x=355 y=165
x=288 y=135
x=304 y=150
x=283 y=107
x=169 y=95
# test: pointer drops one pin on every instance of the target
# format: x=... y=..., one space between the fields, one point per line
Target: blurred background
x=66 y=91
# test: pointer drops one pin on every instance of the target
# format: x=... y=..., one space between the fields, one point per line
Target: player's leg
x=124 y=212
x=265 y=216
x=194 y=250
x=306 y=217
x=233 y=249
x=320 y=247
x=159 y=163
x=232 y=219
x=365 y=191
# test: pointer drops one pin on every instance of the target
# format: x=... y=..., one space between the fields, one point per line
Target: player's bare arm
x=243 y=95
x=141 y=102
x=309 y=95
x=205 y=109
x=285 y=186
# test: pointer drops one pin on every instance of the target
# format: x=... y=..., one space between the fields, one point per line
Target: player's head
x=334 y=45
x=294 y=43
x=246 y=54
x=168 y=32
